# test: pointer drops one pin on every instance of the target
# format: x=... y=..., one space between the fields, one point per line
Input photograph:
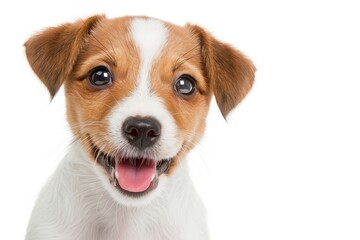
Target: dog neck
x=97 y=210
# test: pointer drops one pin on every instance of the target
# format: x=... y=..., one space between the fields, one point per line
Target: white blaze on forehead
x=149 y=36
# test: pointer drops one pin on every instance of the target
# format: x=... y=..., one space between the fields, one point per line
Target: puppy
x=137 y=92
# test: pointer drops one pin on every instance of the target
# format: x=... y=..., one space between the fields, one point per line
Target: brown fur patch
x=181 y=55
x=68 y=52
x=231 y=74
x=53 y=52
x=218 y=68
x=110 y=45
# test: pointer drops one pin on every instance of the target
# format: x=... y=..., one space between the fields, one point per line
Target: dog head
x=138 y=92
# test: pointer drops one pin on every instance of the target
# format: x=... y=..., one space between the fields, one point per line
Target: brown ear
x=231 y=74
x=53 y=52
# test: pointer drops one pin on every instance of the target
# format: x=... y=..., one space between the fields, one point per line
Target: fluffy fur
x=145 y=57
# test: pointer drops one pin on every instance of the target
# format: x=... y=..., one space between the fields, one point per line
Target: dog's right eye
x=100 y=77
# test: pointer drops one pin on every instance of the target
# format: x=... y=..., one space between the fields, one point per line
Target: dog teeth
x=153 y=177
x=116 y=174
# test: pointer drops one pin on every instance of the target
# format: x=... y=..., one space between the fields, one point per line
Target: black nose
x=141 y=132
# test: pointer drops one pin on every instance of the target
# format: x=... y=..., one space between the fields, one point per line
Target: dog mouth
x=131 y=176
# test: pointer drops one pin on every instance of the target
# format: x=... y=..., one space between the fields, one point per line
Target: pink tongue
x=134 y=178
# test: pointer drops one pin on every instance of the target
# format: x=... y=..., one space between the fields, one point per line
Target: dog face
x=138 y=92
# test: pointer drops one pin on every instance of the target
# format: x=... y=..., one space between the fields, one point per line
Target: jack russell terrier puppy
x=138 y=92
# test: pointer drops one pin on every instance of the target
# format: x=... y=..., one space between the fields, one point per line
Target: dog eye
x=185 y=85
x=100 y=77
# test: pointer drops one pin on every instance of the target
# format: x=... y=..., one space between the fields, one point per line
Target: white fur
x=149 y=36
x=75 y=205
x=78 y=201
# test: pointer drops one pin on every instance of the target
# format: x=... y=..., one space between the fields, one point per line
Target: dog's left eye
x=100 y=77
x=185 y=85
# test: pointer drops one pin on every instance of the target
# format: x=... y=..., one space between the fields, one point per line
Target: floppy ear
x=53 y=52
x=230 y=73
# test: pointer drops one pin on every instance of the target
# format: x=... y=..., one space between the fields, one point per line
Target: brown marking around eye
x=181 y=55
x=87 y=109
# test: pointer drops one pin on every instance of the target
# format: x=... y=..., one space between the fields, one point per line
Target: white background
x=287 y=163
